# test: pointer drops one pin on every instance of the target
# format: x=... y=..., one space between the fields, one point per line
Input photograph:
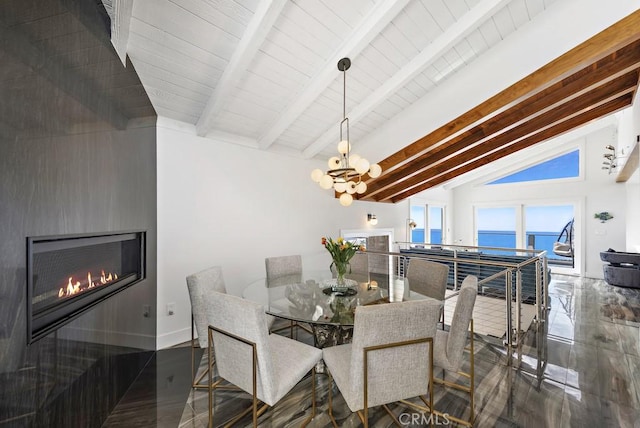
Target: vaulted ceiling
x=263 y=74
x=597 y=78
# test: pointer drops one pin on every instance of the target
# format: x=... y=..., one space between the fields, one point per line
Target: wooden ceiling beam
x=562 y=111
x=608 y=108
x=603 y=71
x=622 y=33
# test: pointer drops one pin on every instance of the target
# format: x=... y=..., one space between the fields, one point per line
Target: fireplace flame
x=74 y=287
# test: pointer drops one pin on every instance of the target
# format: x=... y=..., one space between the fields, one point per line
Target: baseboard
x=173 y=338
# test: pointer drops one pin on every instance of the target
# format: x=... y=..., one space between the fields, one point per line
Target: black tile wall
x=77 y=155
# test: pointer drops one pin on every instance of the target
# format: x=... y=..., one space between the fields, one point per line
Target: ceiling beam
x=596 y=113
x=602 y=44
x=564 y=112
x=443 y=43
x=263 y=19
x=600 y=73
x=533 y=155
x=372 y=25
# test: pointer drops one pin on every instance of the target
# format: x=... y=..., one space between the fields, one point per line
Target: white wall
x=629 y=132
x=233 y=206
x=222 y=204
x=596 y=191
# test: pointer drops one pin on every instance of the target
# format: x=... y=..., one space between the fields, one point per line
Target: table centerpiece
x=341 y=253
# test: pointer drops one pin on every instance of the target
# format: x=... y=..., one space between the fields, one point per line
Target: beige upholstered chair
x=199 y=284
x=389 y=359
x=267 y=366
x=283 y=270
x=428 y=278
x=450 y=345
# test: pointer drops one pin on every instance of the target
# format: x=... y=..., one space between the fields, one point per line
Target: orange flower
x=324 y=241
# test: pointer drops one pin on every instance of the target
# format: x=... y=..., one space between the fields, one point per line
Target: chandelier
x=346 y=170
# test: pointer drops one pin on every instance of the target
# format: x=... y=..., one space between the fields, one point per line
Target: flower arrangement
x=341 y=252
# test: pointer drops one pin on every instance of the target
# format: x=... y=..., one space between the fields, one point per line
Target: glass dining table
x=329 y=313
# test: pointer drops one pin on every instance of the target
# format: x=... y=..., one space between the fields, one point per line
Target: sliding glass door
x=539 y=227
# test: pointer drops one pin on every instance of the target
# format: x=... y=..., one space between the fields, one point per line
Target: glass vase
x=341 y=270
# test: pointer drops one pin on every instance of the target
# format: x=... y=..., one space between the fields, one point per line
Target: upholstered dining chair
x=284 y=270
x=389 y=359
x=428 y=278
x=199 y=284
x=267 y=366
x=450 y=345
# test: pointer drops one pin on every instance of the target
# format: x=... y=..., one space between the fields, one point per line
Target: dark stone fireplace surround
x=75 y=375
x=60 y=177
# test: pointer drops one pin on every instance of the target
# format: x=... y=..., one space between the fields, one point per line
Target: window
x=525 y=226
x=496 y=227
x=543 y=226
x=564 y=166
x=436 y=224
x=418 y=215
x=429 y=224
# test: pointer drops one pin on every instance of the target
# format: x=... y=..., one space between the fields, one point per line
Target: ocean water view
x=498 y=238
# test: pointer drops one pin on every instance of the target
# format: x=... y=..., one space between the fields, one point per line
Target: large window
x=537 y=227
x=496 y=227
x=564 y=166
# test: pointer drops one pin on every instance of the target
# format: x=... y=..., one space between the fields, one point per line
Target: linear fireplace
x=68 y=274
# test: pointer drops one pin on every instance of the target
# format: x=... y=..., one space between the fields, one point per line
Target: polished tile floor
x=581 y=367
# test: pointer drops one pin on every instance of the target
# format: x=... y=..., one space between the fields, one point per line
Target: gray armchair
x=389 y=359
x=267 y=366
x=199 y=284
x=450 y=346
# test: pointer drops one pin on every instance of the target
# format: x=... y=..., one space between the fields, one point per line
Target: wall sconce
x=372 y=219
x=410 y=226
x=610 y=163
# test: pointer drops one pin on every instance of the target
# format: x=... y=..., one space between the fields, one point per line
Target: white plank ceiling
x=263 y=73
